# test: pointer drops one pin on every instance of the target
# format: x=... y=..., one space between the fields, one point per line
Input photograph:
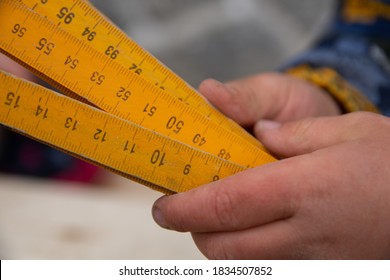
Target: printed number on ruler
x=76 y=67
x=84 y=22
x=125 y=148
x=113 y=88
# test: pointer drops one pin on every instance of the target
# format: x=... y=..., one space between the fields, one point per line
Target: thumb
x=304 y=136
x=245 y=101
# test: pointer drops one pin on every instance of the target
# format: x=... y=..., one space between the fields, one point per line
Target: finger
x=245 y=101
x=12 y=67
x=251 y=198
x=308 y=135
x=277 y=240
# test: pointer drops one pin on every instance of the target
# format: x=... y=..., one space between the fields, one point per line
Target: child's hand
x=330 y=199
x=272 y=96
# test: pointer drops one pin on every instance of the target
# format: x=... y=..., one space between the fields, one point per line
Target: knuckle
x=224 y=209
x=363 y=118
x=301 y=132
x=366 y=123
x=303 y=127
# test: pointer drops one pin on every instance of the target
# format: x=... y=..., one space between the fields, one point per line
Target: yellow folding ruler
x=122 y=109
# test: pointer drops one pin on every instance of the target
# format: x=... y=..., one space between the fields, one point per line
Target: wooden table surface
x=42 y=219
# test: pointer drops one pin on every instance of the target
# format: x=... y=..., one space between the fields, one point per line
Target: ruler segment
x=106 y=140
x=96 y=30
x=124 y=110
x=50 y=51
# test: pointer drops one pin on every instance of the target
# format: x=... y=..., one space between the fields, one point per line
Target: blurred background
x=222 y=39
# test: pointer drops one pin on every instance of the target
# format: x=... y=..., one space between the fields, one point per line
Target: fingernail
x=158 y=217
x=267 y=125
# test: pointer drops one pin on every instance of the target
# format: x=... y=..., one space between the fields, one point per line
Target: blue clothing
x=357 y=46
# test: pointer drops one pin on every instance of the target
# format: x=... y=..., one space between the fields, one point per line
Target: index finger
x=251 y=198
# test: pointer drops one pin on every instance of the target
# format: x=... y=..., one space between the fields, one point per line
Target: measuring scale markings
x=106 y=35
x=97 y=79
x=103 y=138
x=77 y=68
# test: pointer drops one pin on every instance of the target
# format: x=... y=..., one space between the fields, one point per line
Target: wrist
x=344 y=94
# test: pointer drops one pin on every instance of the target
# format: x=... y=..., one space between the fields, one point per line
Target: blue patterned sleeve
x=357 y=47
